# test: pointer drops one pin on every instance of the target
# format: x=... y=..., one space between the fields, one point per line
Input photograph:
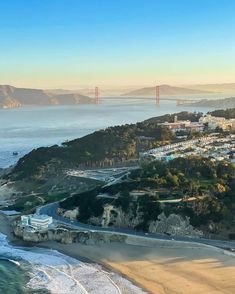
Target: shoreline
x=129 y=284
x=152 y=269
x=66 y=251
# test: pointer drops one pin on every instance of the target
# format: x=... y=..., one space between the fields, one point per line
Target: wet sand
x=159 y=270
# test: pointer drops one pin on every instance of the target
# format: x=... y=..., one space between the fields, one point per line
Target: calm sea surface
x=26 y=128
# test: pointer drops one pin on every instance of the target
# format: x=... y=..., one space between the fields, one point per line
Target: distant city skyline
x=135 y=43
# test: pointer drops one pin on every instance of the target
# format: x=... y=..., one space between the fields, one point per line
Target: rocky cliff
x=174 y=225
x=115 y=216
x=67 y=236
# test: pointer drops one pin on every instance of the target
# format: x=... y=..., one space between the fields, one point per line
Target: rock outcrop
x=174 y=225
x=71 y=214
x=67 y=236
x=115 y=216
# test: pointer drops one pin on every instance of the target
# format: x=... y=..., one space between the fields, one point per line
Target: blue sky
x=69 y=43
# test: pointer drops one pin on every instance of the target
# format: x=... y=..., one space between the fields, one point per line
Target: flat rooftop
x=40 y=216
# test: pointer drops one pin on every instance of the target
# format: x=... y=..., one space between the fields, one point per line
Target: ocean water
x=14 y=271
x=36 y=270
x=26 y=128
x=13 y=279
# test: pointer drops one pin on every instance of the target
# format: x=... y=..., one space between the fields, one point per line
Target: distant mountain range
x=222 y=88
x=218 y=103
x=11 y=97
x=164 y=90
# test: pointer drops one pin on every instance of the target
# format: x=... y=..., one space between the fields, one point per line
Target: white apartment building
x=214 y=122
x=36 y=221
x=183 y=125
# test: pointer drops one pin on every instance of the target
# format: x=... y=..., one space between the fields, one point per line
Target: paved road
x=50 y=210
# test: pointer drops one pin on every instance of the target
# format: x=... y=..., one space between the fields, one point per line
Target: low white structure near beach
x=36 y=221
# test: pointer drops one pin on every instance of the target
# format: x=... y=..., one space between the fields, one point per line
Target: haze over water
x=23 y=129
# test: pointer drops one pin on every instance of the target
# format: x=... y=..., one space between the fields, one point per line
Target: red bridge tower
x=157 y=95
x=97 y=96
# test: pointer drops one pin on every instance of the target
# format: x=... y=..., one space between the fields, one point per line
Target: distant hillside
x=227 y=113
x=223 y=88
x=61 y=91
x=164 y=90
x=104 y=148
x=11 y=97
x=219 y=103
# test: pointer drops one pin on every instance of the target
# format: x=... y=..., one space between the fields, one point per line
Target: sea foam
x=61 y=274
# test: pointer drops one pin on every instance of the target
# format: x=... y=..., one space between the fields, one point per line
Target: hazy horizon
x=120 y=87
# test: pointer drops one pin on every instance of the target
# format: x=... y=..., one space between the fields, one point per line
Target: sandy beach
x=177 y=268
x=59 y=272
x=159 y=270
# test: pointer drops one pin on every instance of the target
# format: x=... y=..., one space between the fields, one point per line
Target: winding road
x=51 y=210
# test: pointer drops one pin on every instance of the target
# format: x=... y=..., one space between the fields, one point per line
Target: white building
x=183 y=125
x=220 y=122
x=36 y=221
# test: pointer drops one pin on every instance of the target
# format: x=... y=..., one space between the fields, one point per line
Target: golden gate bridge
x=157 y=98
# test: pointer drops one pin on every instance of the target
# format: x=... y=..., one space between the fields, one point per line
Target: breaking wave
x=60 y=274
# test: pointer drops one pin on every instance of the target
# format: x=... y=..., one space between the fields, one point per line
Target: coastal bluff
x=66 y=236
